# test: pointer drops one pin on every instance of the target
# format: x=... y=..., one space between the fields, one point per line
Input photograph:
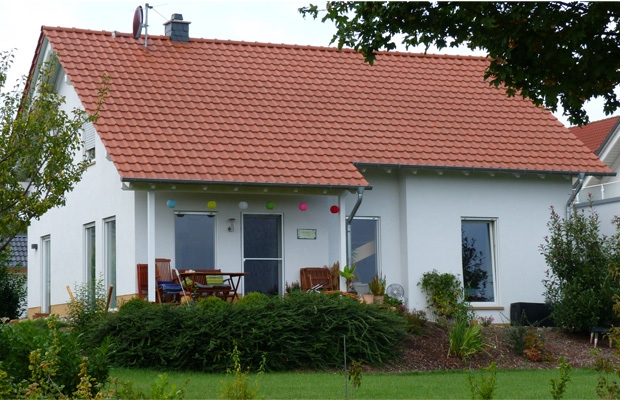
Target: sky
x=253 y=21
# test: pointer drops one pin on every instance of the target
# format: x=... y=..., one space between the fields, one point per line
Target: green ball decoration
x=211 y=204
x=270 y=205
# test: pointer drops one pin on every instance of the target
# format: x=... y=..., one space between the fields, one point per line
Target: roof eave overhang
x=483 y=170
x=148 y=181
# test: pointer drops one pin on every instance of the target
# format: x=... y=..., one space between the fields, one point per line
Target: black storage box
x=531 y=314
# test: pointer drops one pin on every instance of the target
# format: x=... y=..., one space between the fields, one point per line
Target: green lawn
x=521 y=384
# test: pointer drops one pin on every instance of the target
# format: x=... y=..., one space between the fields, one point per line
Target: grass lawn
x=511 y=384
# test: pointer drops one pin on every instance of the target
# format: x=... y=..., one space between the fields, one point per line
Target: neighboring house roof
x=237 y=112
x=595 y=134
x=19 y=252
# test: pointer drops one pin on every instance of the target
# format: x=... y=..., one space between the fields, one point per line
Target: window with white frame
x=364 y=247
x=478 y=254
x=194 y=239
x=88 y=136
x=90 y=262
x=109 y=253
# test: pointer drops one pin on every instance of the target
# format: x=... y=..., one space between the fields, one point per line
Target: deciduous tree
x=551 y=52
x=39 y=141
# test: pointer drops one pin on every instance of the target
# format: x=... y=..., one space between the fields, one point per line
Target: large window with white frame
x=90 y=260
x=109 y=253
x=478 y=259
x=365 y=247
x=194 y=239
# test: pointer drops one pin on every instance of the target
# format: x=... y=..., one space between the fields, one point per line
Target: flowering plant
x=485 y=321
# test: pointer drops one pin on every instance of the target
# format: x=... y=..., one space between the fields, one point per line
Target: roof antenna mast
x=140 y=22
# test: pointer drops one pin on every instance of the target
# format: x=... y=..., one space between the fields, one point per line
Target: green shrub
x=465 y=339
x=484 y=386
x=89 y=304
x=213 y=302
x=516 y=336
x=579 y=285
x=300 y=330
x=33 y=348
x=134 y=304
x=253 y=298
x=238 y=384
x=414 y=322
x=444 y=295
x=12 y=290
x=558 y=385
x=391 y=301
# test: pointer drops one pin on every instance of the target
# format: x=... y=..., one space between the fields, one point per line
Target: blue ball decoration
x=171 y=203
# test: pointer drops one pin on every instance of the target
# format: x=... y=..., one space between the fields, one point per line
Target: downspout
x=349 y=220
x=576 y=190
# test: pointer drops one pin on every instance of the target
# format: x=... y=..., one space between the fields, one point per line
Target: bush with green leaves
x=445 y=296
x=89 y=304
x=44 y=354
x=579 y=284
x=299 y=330
x=12 y=289
x=484 y=386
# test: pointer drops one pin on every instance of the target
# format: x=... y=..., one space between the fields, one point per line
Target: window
x=194 y=238
x=478 y=252
x=88 y=135
x=46 y=274
x=364 y=238
x=110 y=257
x=90 y=258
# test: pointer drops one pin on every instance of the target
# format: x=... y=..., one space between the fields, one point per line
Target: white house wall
x=95 y=198
x=420 y=222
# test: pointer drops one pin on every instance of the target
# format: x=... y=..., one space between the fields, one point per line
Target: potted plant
x=377 y=288
x=348 y=274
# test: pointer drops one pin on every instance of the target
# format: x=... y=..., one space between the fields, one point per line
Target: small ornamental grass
x=465 y=339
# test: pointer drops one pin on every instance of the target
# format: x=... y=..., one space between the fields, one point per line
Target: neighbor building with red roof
x=602 y=193
x=265 y=159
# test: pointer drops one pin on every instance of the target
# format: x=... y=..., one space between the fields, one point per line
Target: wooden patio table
x=222 y=291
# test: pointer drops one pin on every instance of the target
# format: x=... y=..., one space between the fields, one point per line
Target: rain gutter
x=576 y=190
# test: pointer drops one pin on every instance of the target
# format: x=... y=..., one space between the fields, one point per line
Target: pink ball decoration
x=334 y=209
x=303 y=206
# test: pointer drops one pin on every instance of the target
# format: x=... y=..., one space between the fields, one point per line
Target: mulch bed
x=429 y=351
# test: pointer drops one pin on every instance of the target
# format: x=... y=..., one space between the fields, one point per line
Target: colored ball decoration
x=270 y=205
x=243 y=205
x=303 y=206
x=334 y=209
x=212 y=204
x=171 y=203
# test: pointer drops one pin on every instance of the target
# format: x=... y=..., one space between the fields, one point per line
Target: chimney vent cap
x=176 y=17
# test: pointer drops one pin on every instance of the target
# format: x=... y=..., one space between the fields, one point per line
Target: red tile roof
x=223 y=111
x=594 y=134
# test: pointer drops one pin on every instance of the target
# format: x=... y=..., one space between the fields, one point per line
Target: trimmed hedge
x=301 y=330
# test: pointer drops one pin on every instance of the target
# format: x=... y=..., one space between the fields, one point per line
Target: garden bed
x=429 y=351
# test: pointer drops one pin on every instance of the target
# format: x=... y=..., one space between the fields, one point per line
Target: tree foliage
x=12 y=289
x=580 y=285
x=38 y=142
x=551 y=52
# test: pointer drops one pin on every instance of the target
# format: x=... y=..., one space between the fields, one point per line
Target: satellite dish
x=137 y=22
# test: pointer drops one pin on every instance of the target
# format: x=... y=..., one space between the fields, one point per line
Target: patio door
x=262 y=253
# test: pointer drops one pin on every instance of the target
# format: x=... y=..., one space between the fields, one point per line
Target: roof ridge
x=594 y=122
x=391 y=53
